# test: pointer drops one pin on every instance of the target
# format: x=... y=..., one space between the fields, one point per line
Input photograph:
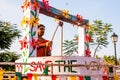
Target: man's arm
x=49 y=47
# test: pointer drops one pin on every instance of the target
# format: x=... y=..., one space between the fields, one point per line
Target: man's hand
x=49 y=43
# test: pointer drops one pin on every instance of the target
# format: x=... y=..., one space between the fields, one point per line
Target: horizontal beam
x=53 y=12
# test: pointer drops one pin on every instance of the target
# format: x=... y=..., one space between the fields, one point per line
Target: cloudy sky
x=106 y=10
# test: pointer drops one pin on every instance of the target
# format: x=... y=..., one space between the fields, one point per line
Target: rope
x=54 y=33
x=59 y=24
x=61 y=40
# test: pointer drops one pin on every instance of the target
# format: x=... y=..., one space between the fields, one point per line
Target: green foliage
x=8 y=33
x=8 y=57
x=99 y=32
x=70 y=47
x=110 y=60
x=119 y=61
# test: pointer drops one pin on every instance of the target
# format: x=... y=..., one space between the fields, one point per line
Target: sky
x=106 y=10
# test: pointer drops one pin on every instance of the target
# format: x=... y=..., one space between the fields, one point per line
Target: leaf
x=34 y=33
x=31 y=52
x=35 y=13
x=26 y=69
x=24 y=53
x=32 y=12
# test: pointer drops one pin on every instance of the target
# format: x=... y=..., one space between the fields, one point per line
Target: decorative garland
x=87 y=41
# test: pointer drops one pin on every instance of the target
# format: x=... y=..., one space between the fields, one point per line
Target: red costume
x=43 y=50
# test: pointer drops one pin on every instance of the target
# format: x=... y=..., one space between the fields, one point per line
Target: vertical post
x=115 y=53
x=61 y=47
x=52 y=68
x=81 y=41
x=61 y=44
x=114 y=38
x=31 y=13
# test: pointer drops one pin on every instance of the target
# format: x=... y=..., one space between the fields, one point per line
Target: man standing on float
x=44 y=46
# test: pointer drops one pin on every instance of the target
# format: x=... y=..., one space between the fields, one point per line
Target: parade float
x=80 y=67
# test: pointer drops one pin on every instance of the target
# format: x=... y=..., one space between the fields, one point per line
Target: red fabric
x=81 y=78
x=43 y=51
x=54 y=77
x=105 y=78
x=29 y=76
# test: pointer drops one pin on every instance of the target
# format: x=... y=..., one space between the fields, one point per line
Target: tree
x=70 y=47
x=98 y=31
x=110 y=60
x=119 y=61
x=8 y=33
x=8 y=56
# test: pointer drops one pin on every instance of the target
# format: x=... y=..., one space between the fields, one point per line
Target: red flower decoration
x=77 y=39
x=35 y=5
x=88 y=38
x=80 y=18
x=46 y=4
x=88 y=53
x=23 y=43
x=25 y=5
x=33 y=43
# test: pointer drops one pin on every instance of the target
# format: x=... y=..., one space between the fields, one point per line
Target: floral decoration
x=88 y=38
x=46 y=4
x=34 y=21
x=33 y=43
x=24 y=21
x=65 y=13
x=25 y=5
x=88 y=53
x=35 y=5
x=23 y=43
x=80 y=18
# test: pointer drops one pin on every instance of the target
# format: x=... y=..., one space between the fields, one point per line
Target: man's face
x=41 y=31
